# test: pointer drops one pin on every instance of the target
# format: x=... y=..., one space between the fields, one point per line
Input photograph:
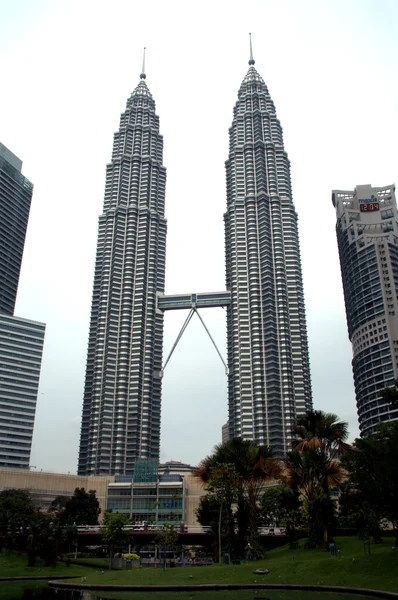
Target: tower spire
x=143 y=75
x=251 y=61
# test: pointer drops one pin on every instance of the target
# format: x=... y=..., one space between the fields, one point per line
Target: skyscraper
x=15 y=198
x=121 y=408
x=21 y=348
x=367 y=236
x=269 y=374
x=21 y=340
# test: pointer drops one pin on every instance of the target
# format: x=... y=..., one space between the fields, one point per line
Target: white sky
x=67 y=68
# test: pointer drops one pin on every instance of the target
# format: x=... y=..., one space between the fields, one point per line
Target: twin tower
x=268 y=363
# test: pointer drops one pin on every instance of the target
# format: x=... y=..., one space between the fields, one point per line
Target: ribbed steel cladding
x=121 y=415
x=266 y=321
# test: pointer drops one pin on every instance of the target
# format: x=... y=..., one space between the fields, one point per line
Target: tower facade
x=367 y=236
x=15 y=199
x=121 y=408
x=21 y=349
x=269 y=375
x=21 y=340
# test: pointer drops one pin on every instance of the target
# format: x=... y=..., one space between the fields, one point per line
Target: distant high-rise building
x=225 y=433
x=21 y=340
x=15 y=198
x=269 y=374
x=21 y=348
x=121 y=409
x=367 y=236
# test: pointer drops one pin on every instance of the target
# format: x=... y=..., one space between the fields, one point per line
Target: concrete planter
x=135 y=564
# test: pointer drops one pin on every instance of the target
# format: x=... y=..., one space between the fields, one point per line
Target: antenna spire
x=251 y=61
x=143 y=76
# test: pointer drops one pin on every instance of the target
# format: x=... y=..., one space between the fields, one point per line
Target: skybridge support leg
x=213 y=342
x=183 y=328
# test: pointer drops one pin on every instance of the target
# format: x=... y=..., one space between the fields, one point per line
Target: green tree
x=314 y=468
x=372 y=468
x=314 y=475
x=224 y=486
x=114 y=533
x=390 y=394
x=282 y=504
x=316 y=429
x=16 y=511
x=319 y=516
x=57 y=508
x=356 y=511
x=271 y=505
x=69 y=536
x=166 y=539
x=312 y=471
x=207 y=514
x=50 y=537
x=17 y=516
x=32 y=547
x=81 y=509
x=254 y=465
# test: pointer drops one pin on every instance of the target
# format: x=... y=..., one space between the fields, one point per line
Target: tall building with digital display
x=21 y=340
x=269 y=374
x=367 y=236
x=121 y=407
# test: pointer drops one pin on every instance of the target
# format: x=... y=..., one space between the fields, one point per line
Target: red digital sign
x=369 y=207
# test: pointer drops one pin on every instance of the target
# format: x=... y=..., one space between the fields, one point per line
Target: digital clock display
x=369 y=206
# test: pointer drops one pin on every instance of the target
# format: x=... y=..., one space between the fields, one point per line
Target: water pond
x=40 y=591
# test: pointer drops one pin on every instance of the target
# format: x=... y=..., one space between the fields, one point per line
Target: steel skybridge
x=193 y=302
x=198 y=300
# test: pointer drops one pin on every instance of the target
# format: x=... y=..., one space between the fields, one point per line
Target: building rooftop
x=10 y=157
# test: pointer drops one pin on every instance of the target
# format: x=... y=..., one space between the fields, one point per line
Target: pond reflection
x=40 y=591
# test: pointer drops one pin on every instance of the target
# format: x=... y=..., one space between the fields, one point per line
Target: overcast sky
x=67 y=69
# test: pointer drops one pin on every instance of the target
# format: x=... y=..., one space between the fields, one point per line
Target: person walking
x=249 y=552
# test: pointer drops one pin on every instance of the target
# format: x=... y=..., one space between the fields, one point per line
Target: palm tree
x=313 y=466
x=312 y=471
x=316 y=429
x=255 y=466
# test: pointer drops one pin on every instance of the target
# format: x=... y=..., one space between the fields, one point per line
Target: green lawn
x=351 y=567
x=12 y=565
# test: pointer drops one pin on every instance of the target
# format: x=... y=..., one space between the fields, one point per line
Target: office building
x=44 y=487
x=225 y=433
x=367 y=236
x=21 y=347
x=121 y=407
x=148 y=495
x=21 y=340
x=15 y=198
x=269 y=375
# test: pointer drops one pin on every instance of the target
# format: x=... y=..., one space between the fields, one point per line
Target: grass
x=352 y=567
x=12 y=565
x=98 y=563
